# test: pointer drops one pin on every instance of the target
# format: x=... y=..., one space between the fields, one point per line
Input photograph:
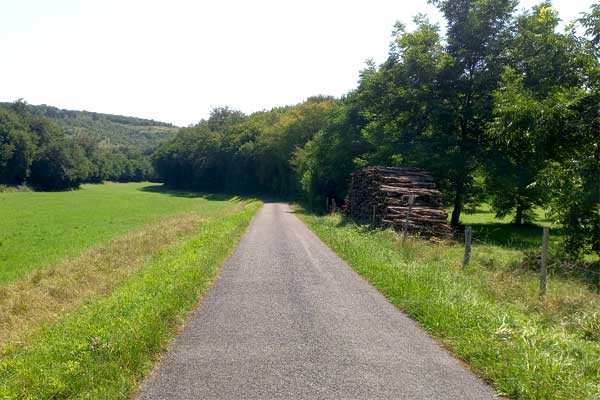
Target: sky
x=175 y=60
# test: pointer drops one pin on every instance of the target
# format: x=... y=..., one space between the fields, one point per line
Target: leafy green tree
x=44 y=132
x=546 y=123
x=324 y=164
x=16 y=148
x=574 y=183
x=533 y=109
x=60 y=165
x=402 y=105
x=476 y=39
x=277 y=144
x=429 y=103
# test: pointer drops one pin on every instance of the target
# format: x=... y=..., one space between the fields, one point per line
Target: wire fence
x=545 y=264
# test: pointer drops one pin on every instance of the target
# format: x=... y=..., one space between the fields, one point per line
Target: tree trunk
x=458 y=205
x=519 y=214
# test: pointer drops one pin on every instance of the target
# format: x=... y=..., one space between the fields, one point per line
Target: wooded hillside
x=116 y=130
x=34 y=150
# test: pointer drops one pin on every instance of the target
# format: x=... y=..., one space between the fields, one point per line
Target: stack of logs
x=381 y=195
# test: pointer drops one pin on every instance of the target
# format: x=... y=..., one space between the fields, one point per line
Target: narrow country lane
x=288 y=319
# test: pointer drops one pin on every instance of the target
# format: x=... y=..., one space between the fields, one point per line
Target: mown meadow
x=90 y=319
x=40 y=228
x=489 y=313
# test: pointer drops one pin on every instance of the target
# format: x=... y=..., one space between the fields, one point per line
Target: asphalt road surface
x=288 y=319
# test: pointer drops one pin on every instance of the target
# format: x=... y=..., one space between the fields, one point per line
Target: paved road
x=288 y=319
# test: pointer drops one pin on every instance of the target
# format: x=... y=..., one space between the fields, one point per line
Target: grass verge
x=488 y=314
x=103 y=350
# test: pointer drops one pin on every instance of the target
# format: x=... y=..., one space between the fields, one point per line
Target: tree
x=60 y=165
x=546 y=122
x=476 y=38
x=323 y=165
x=574 y=183
x=279 y=141
x=429 y=103
x=533 y=107
x=16 y=148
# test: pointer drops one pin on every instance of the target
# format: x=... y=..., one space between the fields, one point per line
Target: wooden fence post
x=411 y=201
x=544 y=266
x=468 y=239
x=333 y=209
x=373 y=217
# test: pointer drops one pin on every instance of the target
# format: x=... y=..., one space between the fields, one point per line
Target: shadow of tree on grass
x=511 y=236
x=162 y=189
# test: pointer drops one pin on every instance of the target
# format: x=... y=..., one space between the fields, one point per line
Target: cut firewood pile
x=381 y=195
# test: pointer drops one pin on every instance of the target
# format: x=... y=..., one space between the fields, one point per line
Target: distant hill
x=142 y=134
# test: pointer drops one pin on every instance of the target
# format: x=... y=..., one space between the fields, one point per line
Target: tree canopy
x=503 y=106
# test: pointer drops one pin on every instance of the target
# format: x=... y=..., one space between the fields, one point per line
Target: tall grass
x=104 y=350
x=488 y=314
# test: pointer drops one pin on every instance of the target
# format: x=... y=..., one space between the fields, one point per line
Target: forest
x=36 y=151
x=112 y=130
x=501 y=107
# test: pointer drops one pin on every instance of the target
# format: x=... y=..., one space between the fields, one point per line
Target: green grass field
x=38 y=229
x=95 y=282
x=501 y=232
x=489 y=313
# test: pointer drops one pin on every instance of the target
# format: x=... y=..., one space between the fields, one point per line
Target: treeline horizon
x=35 y=151
x=503 y=108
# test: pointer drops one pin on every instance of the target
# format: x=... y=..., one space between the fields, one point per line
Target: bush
x=59 y=166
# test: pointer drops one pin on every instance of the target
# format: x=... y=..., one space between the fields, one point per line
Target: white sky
x=173 y=60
